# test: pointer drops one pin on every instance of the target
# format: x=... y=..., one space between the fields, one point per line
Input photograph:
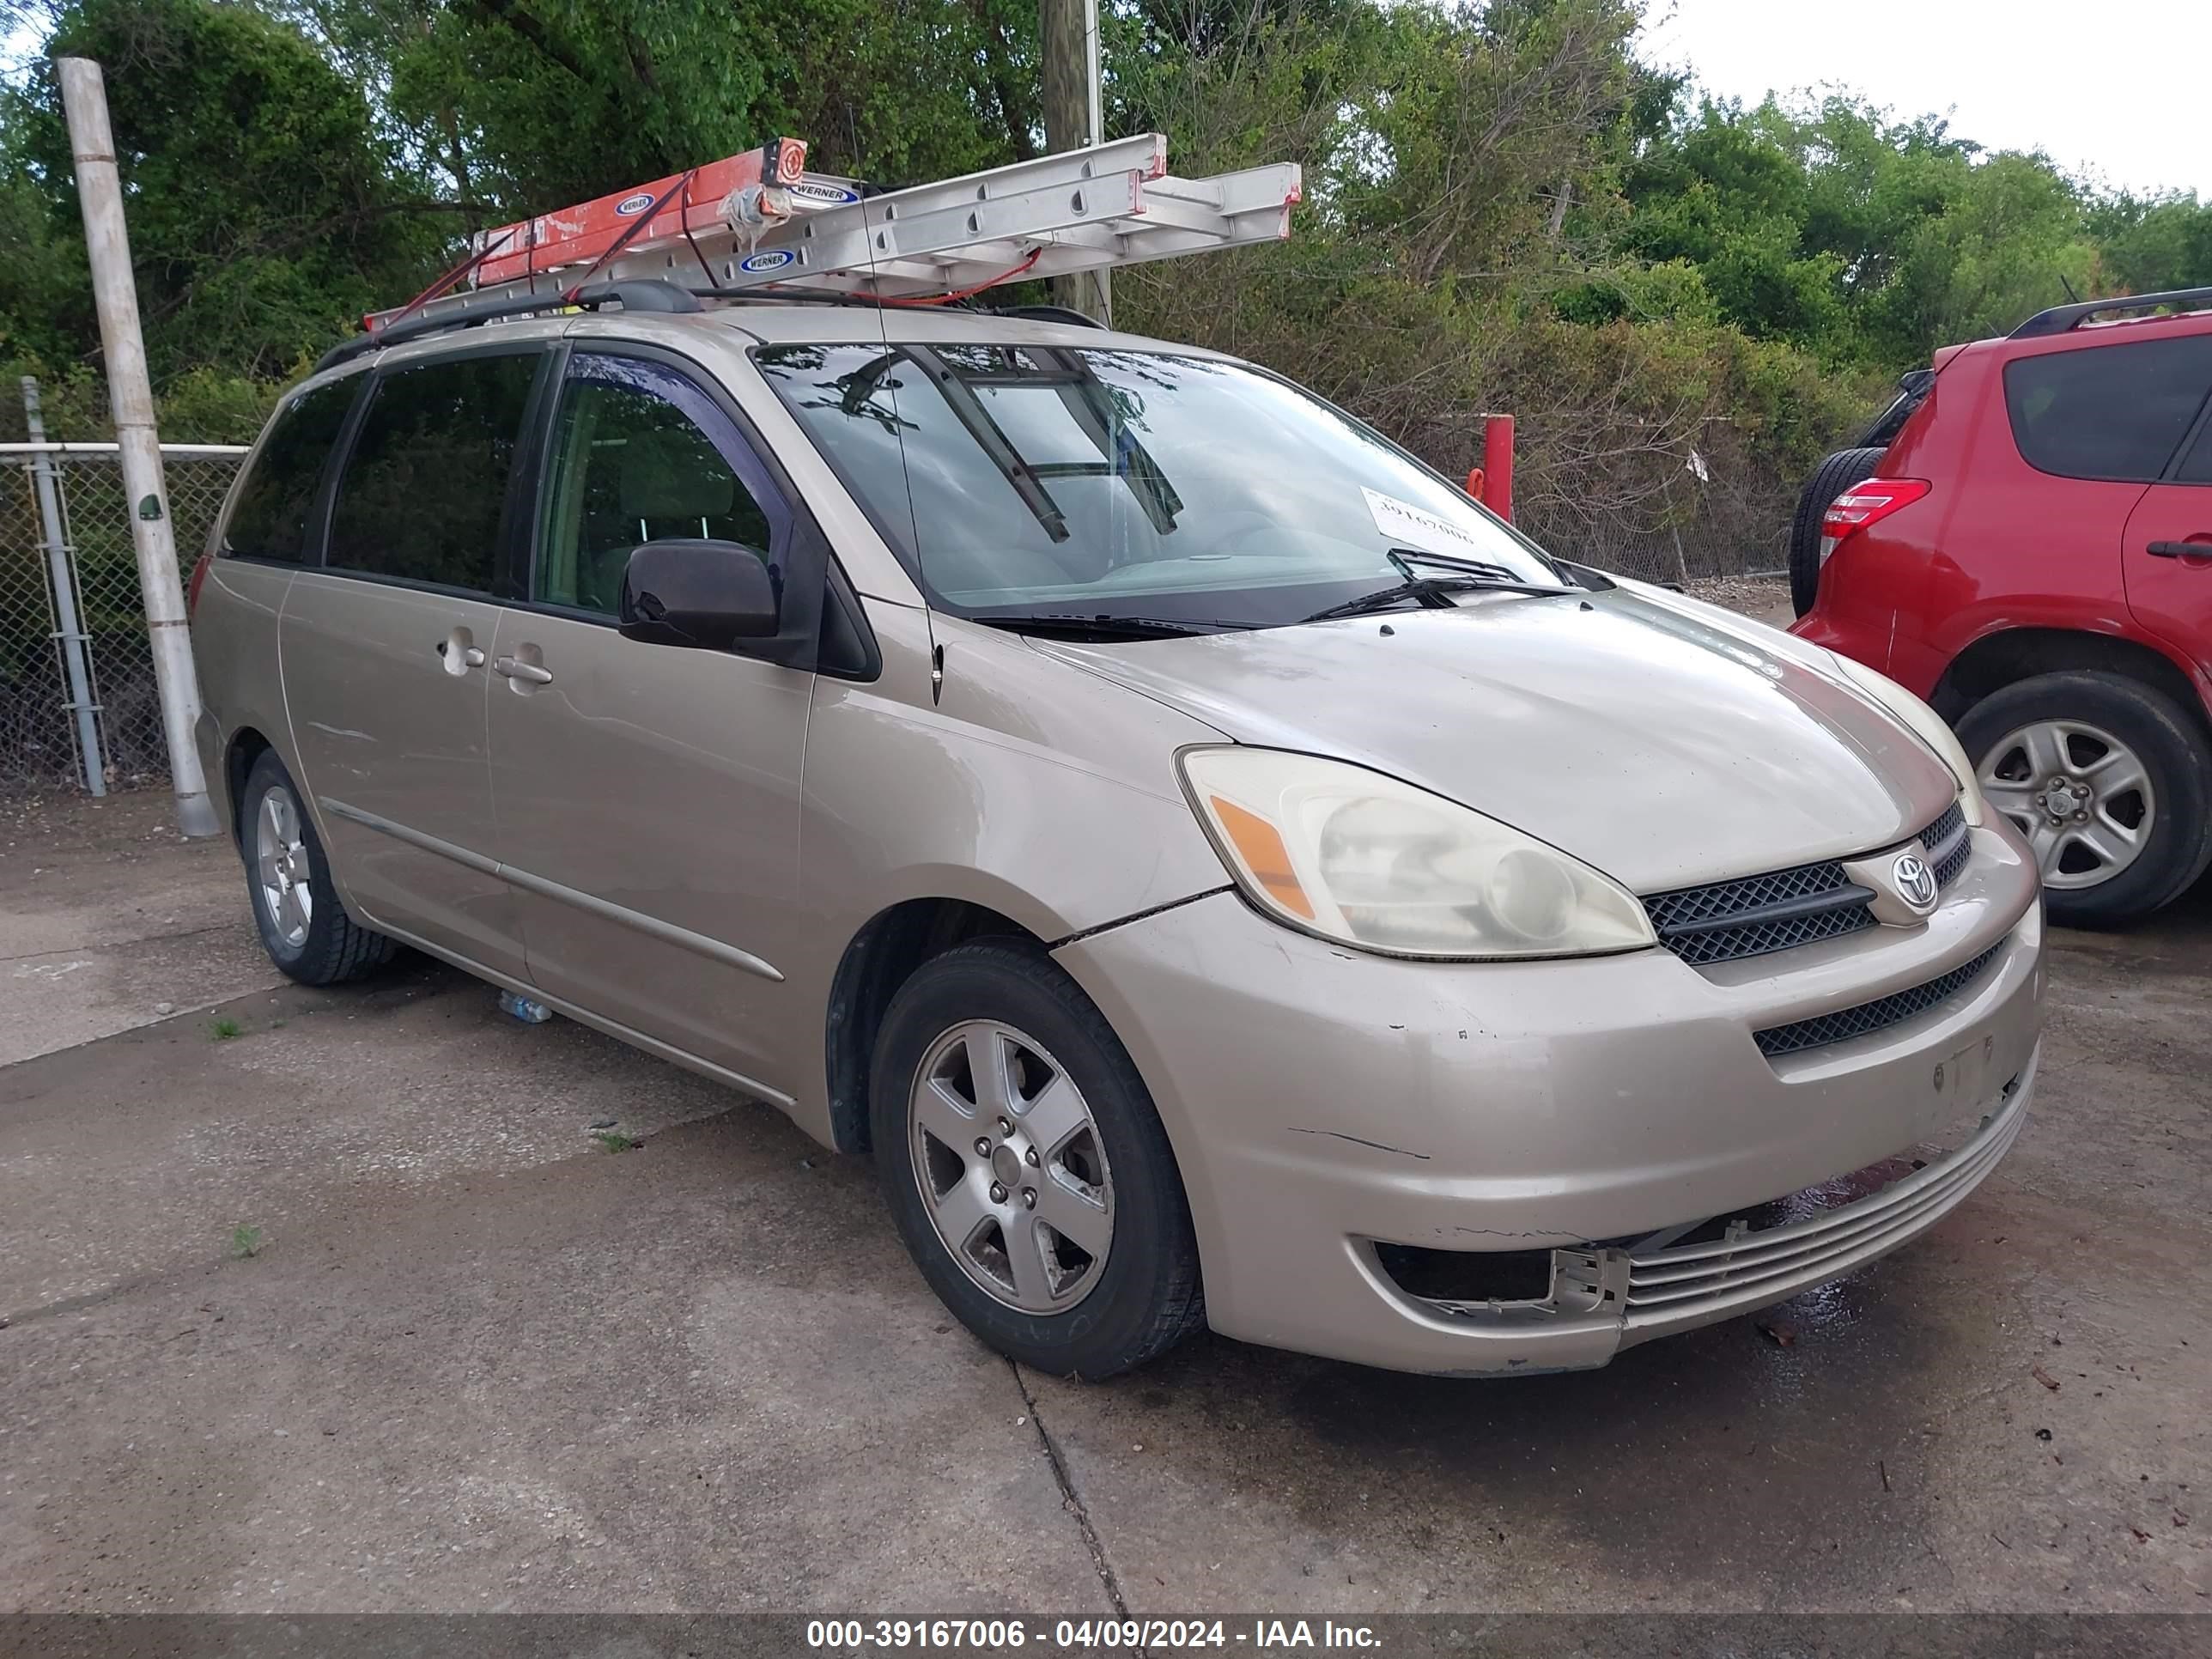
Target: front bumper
x=1321 y=1100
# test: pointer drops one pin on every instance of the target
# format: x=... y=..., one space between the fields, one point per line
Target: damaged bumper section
x=1642 y=1288
x=1481 y=1168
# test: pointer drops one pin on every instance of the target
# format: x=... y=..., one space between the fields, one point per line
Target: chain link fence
x=1676 y=511
x=93 y=573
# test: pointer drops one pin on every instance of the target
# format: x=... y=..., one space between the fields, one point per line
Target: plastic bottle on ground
x=529 y=1010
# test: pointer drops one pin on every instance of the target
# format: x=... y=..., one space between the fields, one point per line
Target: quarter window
x=639 y=455
x=271 y=519
x=423 y=487
x=2197 y=465
x=2108 y=411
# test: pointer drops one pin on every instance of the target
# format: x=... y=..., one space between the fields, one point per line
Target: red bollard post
x=1497 y=465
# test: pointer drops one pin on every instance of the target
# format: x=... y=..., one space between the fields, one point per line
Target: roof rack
x=631 y=296
x=2064 y=319
x=1068 y=315
x=751 y=223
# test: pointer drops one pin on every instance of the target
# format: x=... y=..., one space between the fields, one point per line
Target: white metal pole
x=69 y=631
x=131 y=397
x=1101 y=284
x=1091 y=69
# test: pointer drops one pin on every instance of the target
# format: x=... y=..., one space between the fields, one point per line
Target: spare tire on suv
x=1830 y=479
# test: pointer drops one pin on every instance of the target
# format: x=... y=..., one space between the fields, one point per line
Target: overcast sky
x=2119 y=92
x=2122 y=91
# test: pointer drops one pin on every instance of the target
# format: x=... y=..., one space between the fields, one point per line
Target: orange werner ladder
x=760 y=220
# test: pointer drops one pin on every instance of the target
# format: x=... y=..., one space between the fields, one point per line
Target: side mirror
x=707 y=595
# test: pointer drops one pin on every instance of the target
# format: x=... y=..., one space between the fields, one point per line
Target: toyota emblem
x=1915 y=882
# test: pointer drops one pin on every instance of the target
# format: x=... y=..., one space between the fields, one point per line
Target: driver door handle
x=2180 y=549
x=515 y=668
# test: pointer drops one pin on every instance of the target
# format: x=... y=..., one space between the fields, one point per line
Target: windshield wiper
x=1431 y=591
x=1495 y=575
x=1468 y=576
x=1062 y=622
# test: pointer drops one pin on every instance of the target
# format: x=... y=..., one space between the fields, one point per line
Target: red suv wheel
x=2106 y=780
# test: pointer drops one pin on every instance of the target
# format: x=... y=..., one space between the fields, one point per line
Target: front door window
x=632 y=462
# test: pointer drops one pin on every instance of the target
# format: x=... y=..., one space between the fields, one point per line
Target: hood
x=1661 y=741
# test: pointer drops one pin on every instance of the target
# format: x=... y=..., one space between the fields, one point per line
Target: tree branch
x=534 y=31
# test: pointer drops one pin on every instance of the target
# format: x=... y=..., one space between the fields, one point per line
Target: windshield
x=1024 y=480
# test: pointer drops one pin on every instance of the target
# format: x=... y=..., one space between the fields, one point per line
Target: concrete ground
x=478 y=1362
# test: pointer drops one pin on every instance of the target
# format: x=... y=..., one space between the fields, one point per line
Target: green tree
x=524 y=104
x=263 y=205
x=2011 y=243
x=1862 y=239
x=2153 y=246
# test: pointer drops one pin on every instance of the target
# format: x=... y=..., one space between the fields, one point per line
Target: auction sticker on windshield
x=1408 y=525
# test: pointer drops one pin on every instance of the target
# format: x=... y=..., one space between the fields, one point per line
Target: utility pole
x=1068 y=40
x=130 y=399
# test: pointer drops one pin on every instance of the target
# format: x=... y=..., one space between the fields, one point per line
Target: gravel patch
x=1766 y=598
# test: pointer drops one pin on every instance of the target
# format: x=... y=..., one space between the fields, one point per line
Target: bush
x=201 y=406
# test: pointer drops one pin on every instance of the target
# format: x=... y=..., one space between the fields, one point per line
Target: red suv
x=2025 y=542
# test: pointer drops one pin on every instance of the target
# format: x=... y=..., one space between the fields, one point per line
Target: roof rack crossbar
x=2063 y=319
x=496 y=306
x=1050 y=313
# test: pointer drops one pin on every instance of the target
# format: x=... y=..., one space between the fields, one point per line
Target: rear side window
x=423 y=487
x=2113 y=412
x=271 y=519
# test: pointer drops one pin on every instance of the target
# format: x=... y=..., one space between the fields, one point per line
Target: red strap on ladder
x=381 y=319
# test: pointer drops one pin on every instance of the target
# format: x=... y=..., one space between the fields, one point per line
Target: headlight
x=1352 y=854
x=1927 y=726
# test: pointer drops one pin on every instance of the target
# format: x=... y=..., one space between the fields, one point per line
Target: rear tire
x=971 y=1167
x=1830 y=479
x=2110 y=782
x=303 y=925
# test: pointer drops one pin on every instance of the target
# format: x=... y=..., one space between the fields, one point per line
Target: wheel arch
x=246 y=746
x=890 y=946
x=2007 y=656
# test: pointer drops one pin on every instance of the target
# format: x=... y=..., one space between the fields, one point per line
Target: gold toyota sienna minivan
x=1223 y=874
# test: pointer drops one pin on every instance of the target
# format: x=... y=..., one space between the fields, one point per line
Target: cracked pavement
x=478 y=1362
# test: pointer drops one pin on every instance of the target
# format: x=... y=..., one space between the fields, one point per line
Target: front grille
x=1948 y=845
x=1751 y=915
x=1883 y=1012
x=1953 y=822
x=1726 y=898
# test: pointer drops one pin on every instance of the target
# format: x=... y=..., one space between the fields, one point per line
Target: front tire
x=303 y=925
x=1026 y=1167
x=2108 y=778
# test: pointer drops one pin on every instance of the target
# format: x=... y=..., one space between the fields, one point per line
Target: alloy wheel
x=2081 y=798
x=282 y=868
x=1012 y=1169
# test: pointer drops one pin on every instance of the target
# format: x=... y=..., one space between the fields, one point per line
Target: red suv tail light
x=1868 y=502
x=192 y=587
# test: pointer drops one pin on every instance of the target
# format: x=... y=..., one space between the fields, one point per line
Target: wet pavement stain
x=1716 y=1448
